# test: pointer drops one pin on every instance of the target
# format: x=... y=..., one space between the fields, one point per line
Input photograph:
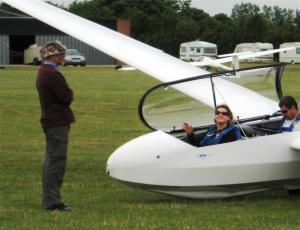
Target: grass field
x=105 y=108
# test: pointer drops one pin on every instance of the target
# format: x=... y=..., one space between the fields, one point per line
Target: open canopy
x=165 y=108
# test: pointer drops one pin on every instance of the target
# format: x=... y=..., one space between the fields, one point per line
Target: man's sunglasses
x=222 y=113
x=284 y=111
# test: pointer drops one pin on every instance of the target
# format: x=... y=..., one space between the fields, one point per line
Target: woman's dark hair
x=288 y=101
x=230 y=115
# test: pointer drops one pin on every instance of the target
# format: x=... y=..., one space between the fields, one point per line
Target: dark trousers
x=55 y=164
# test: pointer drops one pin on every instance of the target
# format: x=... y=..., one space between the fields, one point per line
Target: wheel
x=292 y=62
x=35 y=61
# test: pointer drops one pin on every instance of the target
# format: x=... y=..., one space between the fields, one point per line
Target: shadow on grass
x=138 y=197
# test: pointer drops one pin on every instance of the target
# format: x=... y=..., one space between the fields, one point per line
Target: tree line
x=165 y=24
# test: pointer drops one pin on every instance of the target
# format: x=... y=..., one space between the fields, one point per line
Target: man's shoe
x=59 y=207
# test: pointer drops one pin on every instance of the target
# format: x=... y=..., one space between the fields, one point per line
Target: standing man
x=291 y=115
x=56 y=116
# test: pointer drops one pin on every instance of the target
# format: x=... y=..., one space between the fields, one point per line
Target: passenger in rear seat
x=291 y=115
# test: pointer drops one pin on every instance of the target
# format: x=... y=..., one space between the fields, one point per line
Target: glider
x=162 y=161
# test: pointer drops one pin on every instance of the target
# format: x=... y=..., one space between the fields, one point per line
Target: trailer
x=32 y=55
x=197 y=50
x=255 y=47
x=290 y=56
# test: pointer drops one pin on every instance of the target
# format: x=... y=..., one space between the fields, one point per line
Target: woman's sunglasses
x=222 y=113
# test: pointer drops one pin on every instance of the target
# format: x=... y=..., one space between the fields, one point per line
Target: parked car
x=73 y=57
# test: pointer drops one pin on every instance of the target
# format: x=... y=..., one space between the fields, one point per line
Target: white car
x=73 y=57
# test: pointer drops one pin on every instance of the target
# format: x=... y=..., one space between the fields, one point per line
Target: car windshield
x=72 y=52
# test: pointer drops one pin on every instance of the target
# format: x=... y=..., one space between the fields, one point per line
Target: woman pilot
x=221 y=132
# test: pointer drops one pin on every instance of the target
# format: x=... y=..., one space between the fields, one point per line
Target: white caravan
x=290 y=56
x=255 y=47
x=32 y=55
x=162 y=161
x=197 y=50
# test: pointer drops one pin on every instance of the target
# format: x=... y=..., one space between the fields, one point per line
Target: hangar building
x=18 y=32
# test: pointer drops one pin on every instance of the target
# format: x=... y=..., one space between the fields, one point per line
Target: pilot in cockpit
x=291 y=115
x=221 y=132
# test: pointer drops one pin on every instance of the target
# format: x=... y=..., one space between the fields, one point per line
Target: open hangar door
x=17 y=45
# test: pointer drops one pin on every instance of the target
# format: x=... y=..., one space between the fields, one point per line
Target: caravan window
x=238 y=50
x=210 y=50
x=198 y=50
x=183 y=49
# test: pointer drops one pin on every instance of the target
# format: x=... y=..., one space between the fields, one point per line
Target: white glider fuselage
x=162 y=163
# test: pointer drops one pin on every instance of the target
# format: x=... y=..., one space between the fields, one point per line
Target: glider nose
x=137 y=160
x=129 y=156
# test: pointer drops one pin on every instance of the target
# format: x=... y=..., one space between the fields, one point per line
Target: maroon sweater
x=55 y=98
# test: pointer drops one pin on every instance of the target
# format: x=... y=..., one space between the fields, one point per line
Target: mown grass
x=105 y=108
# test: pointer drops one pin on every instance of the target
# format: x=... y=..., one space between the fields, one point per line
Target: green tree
x=223 y=33
x=8 y=8
x=244 y=10
x=297 y=26
x=152 y=21
x=284 y=26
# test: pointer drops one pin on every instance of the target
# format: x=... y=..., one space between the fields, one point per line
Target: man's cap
x=52 y=48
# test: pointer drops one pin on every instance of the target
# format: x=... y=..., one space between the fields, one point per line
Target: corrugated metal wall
x=93 y=56
x=4 y=49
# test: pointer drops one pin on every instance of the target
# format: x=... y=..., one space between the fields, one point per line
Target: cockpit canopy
x=164 y=107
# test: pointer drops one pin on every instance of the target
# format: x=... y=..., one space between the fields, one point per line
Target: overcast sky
x=223 y=6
